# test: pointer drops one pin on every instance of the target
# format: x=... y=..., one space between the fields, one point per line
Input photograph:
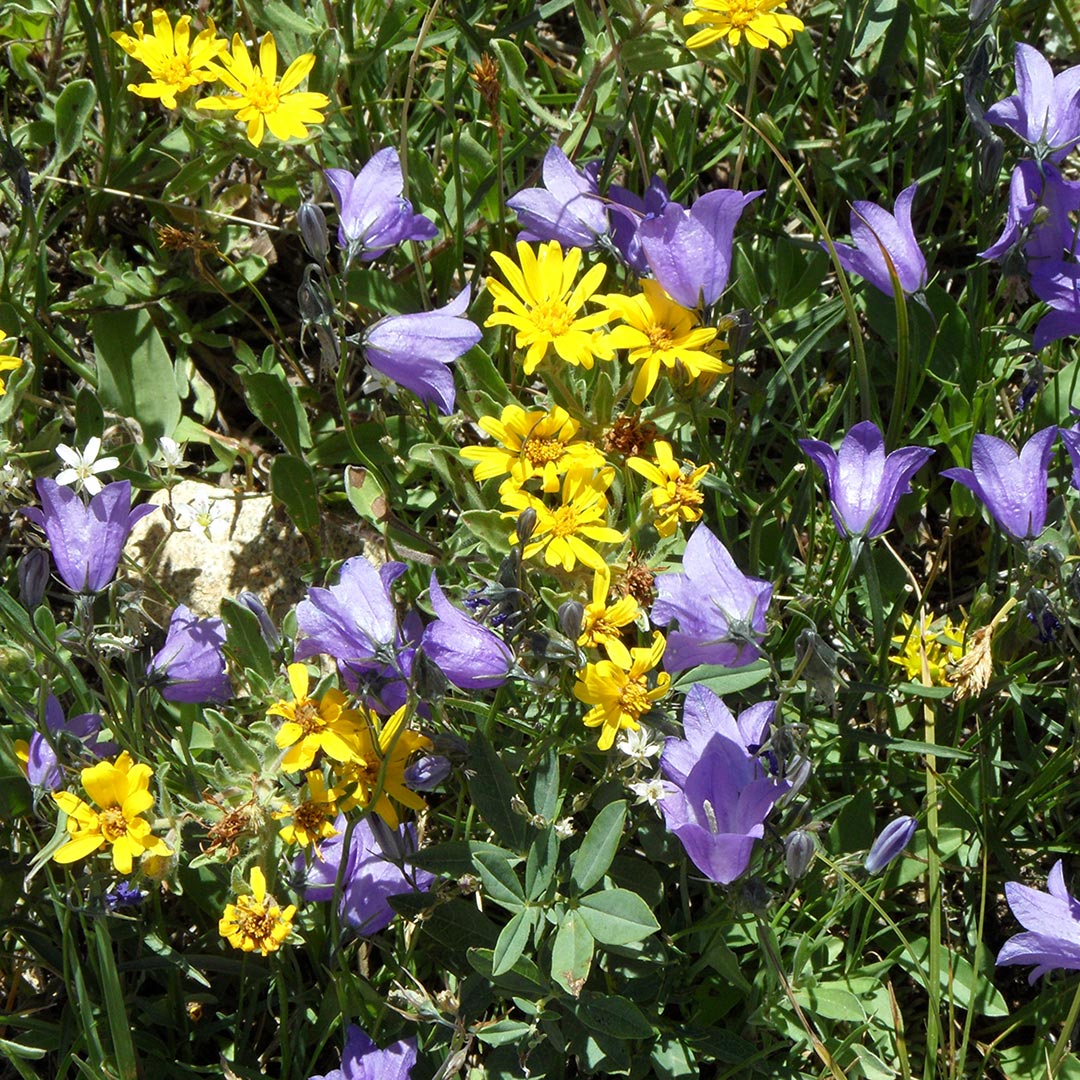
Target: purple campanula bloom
x=718 y=807
x=1044 y=111
x=720 y=611
x=427 y=772
x=1052 y=922
x=374 y=214
x=1041 y=202
x=414 y=350
x=889 y=843
x=626 y=212
x=363 y=1060
x=369 y=877
x=865 y=484
x=42 y=766
x=191 y=663
x=1058 y=283
x=568 y=208
x=86 y=540
x=880 y=238
x=124 y=895
x=1012 y=487
x=471 y=656
x=1071 y=438
x=689 y=251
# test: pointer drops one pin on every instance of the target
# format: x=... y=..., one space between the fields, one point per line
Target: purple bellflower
x=626 y=212
x=865 y=484
x=124 y=895
x=1071 y=438
x=718 y=792
x=363 y=1060
x=1052 y=922
x=568 y=208
x=414 y=350
x=86 y=540
x=191 y=663
x=374 y=214
x=1058 y=283
x=471 y=656
x=689 y=251
x=369 y=877
x=1044 y=111
x=890 y=842
x=1038 y=218
x=1012 y=487
x=720 y=611
x=881 y=238
x=42 y=765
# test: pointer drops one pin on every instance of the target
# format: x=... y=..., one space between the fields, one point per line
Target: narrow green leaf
x=612 y=1015
x=617 y=917
x=493 y=789
x=572 y=953
x=73 y=108
x=523 y=978
x=599 y=846
x=512 y=941
x=293 y=484
x=115 y=1008
x=274 y=400
x=541 y=863
x=245 y=638
x=544 y=785
x=499 y=880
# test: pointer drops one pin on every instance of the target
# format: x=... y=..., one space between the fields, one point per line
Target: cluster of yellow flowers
x=940 y=641
x=761 y=22
x=176 y=64
x=7 y=363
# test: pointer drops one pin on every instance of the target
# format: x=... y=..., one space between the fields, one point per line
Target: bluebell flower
x=83 y=731
x=1039 y=216
x=890 y=842
x=362 y=1060
x=124 y=895
x=567 y=209
x=190 y=666
x=626 y=212
x=1052 y=922
x=1057 y=282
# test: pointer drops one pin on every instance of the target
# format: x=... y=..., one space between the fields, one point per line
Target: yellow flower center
x=660 y=337
x=634 y=699
x=685 y=494
x=173 y=71
x=254 y=922
x=263 y=95
x=564 y=521
x=309 y=816
x=743 y=12
x=308 y=717
x=552 y=317
x=113 y=823
x=541 y=451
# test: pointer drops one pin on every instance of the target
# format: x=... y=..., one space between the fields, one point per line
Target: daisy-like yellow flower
x=676 y=496
x=261 y=102
x=311 y=726
x=759 y=20
x=562 y=533
x=941 y=640
x=657 y=333
x=620 y=694
x=543 y=305
x=313 y=818
x=383 y=754
x=174 y=61
x=533 y=443
x=256 y=921
x=7 y=363
x=602 y=625
x=121 y=790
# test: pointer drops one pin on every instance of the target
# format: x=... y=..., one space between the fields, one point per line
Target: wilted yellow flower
x=942 y=646
x=758 y=20
x=175 y=63
x=311 y=726
x=676 y=496
x=261 y=102
x=601 y=625
x=562 y=533
x=620 y=693
x=533 y=443
x=543 y=305
x=7 y=363
x=121 y=790
x=312 y=819
x=256 y=921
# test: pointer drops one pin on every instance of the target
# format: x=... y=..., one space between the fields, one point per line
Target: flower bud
x=429 y=680
x=427 y=773
x=799 y=849
x=33 y=575
x=890 y=842
x=571 y=614
x=313 y=232
x=526 y=524
x=266 y=624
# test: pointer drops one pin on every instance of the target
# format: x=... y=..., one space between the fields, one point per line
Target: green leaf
x=598 y=848
x=540 y=865
x=135 y=374
x=292 y=482
x=572 y=953
x=512 y=65
x=544 y=785
x=611 y=1015
x=245 y=638
x=458 y=922
x=455 y=857
x=523 y=978
x=500 y=882
x=274 y=400
x=502 y=1032
x=512 y=941
x=115 y=1008
x=73 y=108
x=235 y=747
x=617 y=917
x=492 y=789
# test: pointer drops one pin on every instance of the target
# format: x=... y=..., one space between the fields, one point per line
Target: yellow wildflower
x=311 y=726
x=676 y=496
x=561 y=533
x=174 y=62
x=659 y=333
x=261 y=102
x=382 y=757
x=620 y=693
x=256 y=921
x=758 y=20
x=543 y=303
x=312 y=819
x=943 y=646
x=121 y=790
x=602 y=626
x=533 y=443
x=7 y=363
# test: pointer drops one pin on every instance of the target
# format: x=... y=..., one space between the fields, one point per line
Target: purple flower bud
x=33 y=575
x=799 y=849
x=266 y=624
x=313 y=232
x=890 y=842
x=427 y=773
x=191 y=663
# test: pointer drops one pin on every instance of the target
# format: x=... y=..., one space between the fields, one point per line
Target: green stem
x=1062 y=1046
x=903 y=360
x=751 y=82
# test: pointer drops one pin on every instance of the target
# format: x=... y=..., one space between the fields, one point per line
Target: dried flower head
x=629 y=435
